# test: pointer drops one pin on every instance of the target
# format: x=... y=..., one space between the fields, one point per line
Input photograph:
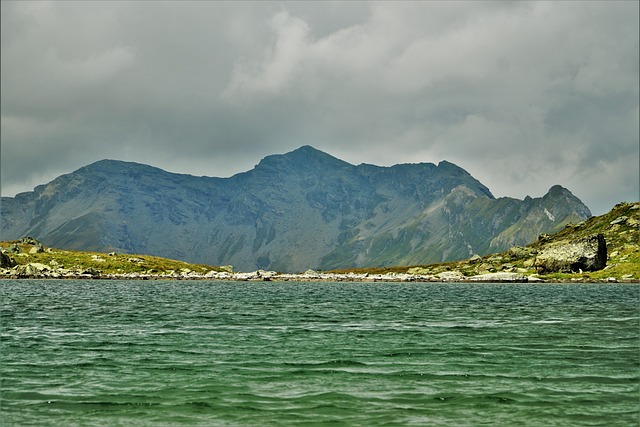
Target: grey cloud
x=523 y=95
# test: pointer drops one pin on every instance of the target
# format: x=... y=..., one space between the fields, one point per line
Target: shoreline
x=270 y=276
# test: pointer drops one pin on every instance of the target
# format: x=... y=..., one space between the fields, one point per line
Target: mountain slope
x=304 y=209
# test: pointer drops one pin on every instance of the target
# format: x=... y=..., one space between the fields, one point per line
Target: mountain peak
x=470 y=182
x=558 y=190
x=109 y=166
x=560 y=195
x=304 y=157
x=308 y=149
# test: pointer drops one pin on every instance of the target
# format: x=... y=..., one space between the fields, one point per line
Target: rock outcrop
x=586 y=254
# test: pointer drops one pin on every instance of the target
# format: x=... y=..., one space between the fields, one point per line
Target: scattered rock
x=620 y=220
x=29 y=241
x=266 y=275
x=450 y=276
x=91 y=272
x=499 y=277
x=475 y=259
x=485 y=268
x=575 y=226
x=219 y=275
x=245 y=276
x=519 y=252
x=586 y=254
x=14 y=249
x=34 y=269
x=37 y=249
x=632 y=222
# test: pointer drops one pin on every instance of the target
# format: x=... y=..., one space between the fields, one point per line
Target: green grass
x=106 y=264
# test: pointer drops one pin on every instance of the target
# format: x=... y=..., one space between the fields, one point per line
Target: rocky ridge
x=294 y=211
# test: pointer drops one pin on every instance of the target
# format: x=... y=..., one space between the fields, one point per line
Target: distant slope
x=620 y=228
x=304 y=209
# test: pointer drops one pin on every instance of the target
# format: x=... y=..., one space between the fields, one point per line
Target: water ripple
x=228 y=354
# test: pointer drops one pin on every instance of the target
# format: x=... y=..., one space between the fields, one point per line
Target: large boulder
x=34 y=269
x=37 y=249
x=6 y=260
x=586 y=254
x=475 y=259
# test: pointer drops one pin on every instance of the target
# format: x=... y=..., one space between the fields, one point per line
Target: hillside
x=28 y=258
x=295 y=211
x=621 y=231
x=620 y=228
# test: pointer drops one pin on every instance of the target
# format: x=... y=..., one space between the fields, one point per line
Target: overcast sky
x=521 y=95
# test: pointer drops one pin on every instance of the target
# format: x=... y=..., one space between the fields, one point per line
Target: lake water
x=106 y=353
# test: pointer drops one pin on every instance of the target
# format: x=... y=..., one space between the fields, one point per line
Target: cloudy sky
x=522 y=95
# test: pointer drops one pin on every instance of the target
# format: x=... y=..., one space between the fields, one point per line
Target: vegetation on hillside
x=620 y=228
x=73 y=263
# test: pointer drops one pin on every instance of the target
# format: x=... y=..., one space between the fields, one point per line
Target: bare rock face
x=586 y=254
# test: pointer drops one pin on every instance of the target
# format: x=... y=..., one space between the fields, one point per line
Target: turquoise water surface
x=110 y=353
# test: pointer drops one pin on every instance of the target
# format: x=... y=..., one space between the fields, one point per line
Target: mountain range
x=291 y=212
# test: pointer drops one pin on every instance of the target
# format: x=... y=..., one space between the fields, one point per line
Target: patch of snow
x=549 y=215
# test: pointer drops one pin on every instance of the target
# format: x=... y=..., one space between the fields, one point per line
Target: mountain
x=304 y=209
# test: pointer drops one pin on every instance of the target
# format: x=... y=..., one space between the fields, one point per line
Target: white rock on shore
x=499 y=277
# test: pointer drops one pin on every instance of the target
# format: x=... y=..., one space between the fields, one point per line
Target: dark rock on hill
x=6 y=260
x=304 y=209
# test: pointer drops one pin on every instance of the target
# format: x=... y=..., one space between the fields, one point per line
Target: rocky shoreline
x=40 y=272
